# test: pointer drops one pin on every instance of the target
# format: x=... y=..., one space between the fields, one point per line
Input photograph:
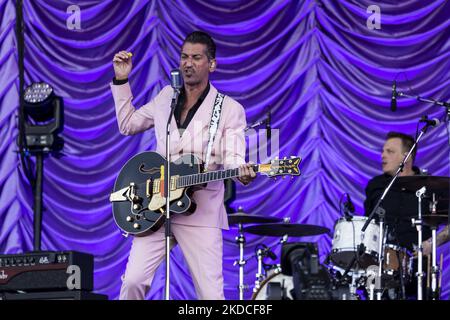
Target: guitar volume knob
x=129 y=218
x=136 y=226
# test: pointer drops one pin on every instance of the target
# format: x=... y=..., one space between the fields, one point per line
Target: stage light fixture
x=43 y=118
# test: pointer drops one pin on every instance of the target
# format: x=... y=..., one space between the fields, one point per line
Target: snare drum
x=347 y=237
x=277 y=286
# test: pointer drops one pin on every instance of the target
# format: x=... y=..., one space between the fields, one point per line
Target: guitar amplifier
x=46 y=271
x=53 y=295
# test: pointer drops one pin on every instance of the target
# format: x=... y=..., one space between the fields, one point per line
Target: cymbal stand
x=435 y=268
x=418 y=223
x=241 y=241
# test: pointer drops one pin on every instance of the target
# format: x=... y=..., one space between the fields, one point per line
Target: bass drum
x=276 y=286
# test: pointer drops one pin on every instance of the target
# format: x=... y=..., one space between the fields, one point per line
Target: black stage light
x=43 y=118
x=311 y=280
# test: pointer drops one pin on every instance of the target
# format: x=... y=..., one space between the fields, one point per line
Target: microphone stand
x=381 y=214
x=167 y=185
x=428 y=100
x=261 y=122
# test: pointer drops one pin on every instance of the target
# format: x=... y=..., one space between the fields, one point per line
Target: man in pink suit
x=200 y=234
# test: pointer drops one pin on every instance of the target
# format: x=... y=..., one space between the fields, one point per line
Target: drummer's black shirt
x=400 y=207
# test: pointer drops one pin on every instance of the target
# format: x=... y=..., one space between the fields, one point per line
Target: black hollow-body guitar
x=138 y=200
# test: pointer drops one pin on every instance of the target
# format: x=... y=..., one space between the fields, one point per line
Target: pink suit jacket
x=228 y=149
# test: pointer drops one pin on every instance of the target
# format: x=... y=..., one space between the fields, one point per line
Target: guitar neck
x=205 y=177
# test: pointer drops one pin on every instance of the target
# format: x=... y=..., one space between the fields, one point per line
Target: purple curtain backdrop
x=324 y=74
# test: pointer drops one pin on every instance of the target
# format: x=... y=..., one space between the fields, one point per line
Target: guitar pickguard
x=159 y=201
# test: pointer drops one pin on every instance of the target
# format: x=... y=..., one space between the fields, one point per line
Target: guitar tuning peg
x=284 y=158
x=276 y=158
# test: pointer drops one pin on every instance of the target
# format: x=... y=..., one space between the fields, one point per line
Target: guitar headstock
x=281 y=167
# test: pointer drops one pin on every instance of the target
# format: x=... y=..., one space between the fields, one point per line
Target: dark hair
x=407 y=142
x=203 y=38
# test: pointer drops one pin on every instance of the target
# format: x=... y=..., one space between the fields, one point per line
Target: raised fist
x=122 y=64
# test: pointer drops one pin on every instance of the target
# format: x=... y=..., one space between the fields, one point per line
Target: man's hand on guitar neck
x=246 y=173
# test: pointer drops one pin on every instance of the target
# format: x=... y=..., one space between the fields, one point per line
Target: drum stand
x=378 y=285
x=241 y=241
x=418 y=223
x=353 y=287
x=260 y=255
x=260 y=275
x=376 y=282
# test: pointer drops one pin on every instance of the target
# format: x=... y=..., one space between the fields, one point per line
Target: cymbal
x=434 y=220
x=242 y=217
x=414 y=183
x=292 y=230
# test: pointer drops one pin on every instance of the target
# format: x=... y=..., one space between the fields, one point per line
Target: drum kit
x=353 y=263
x=274 y=227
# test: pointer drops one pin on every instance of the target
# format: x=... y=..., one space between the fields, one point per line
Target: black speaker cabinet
x=54 y=295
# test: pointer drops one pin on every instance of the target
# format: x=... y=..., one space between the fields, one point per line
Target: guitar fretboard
x=201 y=178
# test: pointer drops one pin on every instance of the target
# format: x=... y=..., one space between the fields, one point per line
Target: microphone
x=432 y=123
x=348 y=208
x=271 y=254
x=350 y=205
x=175 y=83
x=394 y=96
x=175 y=79
x=267 y=252
x=268 y=127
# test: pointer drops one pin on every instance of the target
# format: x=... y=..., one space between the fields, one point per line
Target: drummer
x=400 y=206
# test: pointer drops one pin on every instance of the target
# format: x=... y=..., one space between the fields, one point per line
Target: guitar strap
x=213 y=125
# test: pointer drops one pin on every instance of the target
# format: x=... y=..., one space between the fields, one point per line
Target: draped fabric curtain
x=323 y=68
